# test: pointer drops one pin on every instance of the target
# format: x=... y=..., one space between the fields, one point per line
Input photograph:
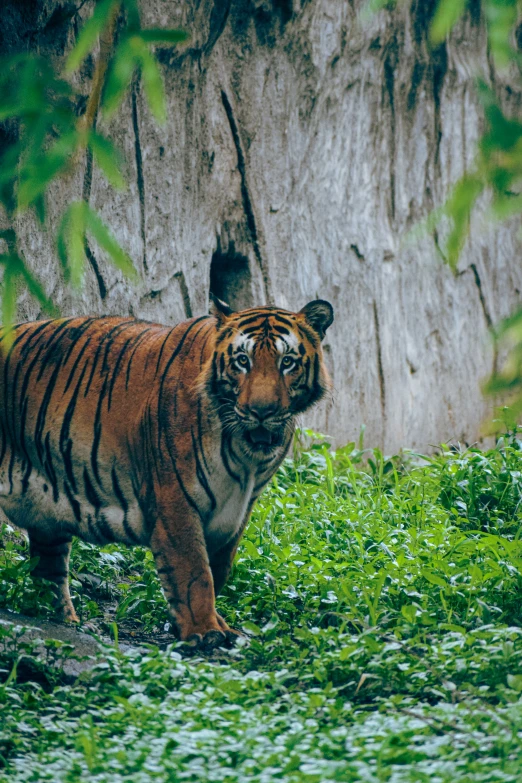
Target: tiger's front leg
x=181 y=557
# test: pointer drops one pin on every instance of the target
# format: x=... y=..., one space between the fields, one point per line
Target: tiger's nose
x=262 y=411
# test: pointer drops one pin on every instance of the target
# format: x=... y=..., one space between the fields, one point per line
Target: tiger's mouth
x=262 y=439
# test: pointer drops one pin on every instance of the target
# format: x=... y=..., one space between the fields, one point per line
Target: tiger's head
x=267 y=367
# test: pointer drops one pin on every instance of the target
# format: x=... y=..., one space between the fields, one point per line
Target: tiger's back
x=114 y=429
x=72 y=390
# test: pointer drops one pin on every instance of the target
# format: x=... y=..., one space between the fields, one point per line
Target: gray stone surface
x=32 y=629
x=301 y=146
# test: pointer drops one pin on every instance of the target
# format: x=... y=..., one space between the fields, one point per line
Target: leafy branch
x=47 y=138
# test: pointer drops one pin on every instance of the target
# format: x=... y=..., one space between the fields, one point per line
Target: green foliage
x=47 y=138
x=381 y=598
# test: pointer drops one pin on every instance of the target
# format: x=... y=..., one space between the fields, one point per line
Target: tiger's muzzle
x=263 y=429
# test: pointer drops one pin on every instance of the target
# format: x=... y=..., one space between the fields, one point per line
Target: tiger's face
x=267 y=367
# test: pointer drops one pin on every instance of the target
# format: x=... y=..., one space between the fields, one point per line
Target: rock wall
x=301 y=147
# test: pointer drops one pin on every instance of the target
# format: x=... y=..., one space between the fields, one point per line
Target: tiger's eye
x=287 y=362
x=243 y=360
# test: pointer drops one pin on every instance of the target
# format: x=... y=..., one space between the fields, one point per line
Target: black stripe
x=316 y=389
x=49 y=468
x=72 y=501
x=105 y=529
x=76 y=363
x=24 y=403
x=307 y=366
x=7 y=360
x=65 y=440
x=28 y=372
x=282 y=319
x=97 y=433
x=200 y=473
x=129 y=532
x=250 y=320
x=29 y=466
x=90 y=492
x=309 y=333
x=163 y=344
x=172 y=359
x=93 y=530
x=74 y=334
x=15 y=329
x=110 y=342
x=131 y=357
x=226 y=463
x=103 y=340
x=51 y=345
x=10 y=470
x=19 y=364
x=190 y=500
x=116 y=369
x=42 y=412
x=199 y=422
x=120 y=497
x=200 y=437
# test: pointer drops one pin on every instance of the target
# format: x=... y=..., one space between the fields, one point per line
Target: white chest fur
x=231 y=506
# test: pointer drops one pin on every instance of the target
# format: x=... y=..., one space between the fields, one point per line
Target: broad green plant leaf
x=108 y=159
x=107 y=242
x=153 y=85
x=120 y=73
x=447 y=14
x=78 y=220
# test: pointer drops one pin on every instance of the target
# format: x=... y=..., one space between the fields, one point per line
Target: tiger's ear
x=219 y=309
x=319 y=315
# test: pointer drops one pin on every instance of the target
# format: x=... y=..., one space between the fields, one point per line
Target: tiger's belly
x=53 y=508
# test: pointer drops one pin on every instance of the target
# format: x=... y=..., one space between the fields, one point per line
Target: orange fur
x=113 y=429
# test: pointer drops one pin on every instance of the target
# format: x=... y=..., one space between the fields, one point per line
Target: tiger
x=114 y=429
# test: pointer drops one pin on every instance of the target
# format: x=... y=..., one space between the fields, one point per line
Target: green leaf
x=153 y=85
x=251 y=628
x=108 y=159
x=36 y=290
x=71 y=242
x=90 y=32
x=409 y=612
x=119 y=77
x=107 y=242
x=37 y=175
x=433 y=578
x=154 y=35
x=447 y=14
x=250 y=549
x=501 y=18
x=8 y=297
x=133 y=15
x=515 y=682
x=458 y=208
x=39 y=208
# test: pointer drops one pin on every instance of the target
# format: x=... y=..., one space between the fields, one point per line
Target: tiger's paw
x=225 y=637
x=66 y=614
x=231 y=633
x=207 y=641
